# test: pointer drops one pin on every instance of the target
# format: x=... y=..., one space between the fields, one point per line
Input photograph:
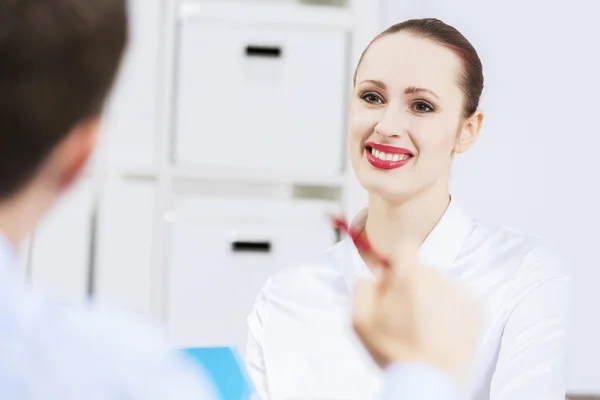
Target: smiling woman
x=414 y=107
x=424 y=98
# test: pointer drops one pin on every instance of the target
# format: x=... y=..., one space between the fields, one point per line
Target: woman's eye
x=422 y=107
x=372 y=98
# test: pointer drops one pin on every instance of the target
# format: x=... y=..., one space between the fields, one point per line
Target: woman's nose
x=392 y=124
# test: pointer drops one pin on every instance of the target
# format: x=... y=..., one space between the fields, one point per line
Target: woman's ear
x=469 y=132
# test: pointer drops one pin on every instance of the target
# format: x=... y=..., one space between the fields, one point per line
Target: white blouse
x=301 y=344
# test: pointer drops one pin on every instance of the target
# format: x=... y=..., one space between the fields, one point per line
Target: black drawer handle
x=250 y=247
x=263 y=51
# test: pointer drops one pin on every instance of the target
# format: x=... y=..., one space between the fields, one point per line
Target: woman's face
x=406 y=116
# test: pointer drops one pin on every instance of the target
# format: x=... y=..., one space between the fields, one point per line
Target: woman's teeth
x=389 y=157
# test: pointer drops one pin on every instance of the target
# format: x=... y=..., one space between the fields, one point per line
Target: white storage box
x=60 y=247
x=223 y=251
x=125 y=228
x=261 y=97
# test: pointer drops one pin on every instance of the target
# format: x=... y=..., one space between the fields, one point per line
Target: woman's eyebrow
x=414 y=89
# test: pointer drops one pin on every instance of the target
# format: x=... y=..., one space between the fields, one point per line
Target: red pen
x=360 y=240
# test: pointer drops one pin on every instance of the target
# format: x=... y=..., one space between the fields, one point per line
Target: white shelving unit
x=150 y=74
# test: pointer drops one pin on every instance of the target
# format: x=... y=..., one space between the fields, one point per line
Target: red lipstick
x=395 y=157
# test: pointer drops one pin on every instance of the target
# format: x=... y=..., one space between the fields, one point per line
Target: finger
x=395 y=283
x=365 y=297
x=380 y=271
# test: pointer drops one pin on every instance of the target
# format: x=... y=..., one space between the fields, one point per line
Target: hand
x=414 y=313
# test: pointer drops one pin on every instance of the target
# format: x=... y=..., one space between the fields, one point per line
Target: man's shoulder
x=75 y=351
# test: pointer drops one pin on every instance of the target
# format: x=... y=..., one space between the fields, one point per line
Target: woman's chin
x=385 y=188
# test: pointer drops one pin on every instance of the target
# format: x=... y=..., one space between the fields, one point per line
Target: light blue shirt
x=49 y=351
x=420 y=381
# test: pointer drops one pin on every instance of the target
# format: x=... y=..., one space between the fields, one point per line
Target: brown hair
x=58 y=60
x=471 y=77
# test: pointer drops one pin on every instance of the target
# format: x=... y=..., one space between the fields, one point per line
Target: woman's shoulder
x=530 y=254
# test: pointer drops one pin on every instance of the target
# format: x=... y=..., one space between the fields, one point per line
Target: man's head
x=58 y=61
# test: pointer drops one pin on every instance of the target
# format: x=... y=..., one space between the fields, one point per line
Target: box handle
x=263 y=51
x=241 y=246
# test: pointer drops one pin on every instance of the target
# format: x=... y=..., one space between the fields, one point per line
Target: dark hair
x=471 y=77
x=58 y=61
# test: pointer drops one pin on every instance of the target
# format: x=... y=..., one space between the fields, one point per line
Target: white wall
x=534 y=166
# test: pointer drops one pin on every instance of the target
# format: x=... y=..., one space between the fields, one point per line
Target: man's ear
x=469 y=132
x=70 y=158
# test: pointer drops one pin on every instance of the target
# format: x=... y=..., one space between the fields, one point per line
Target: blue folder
x=225 y=368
